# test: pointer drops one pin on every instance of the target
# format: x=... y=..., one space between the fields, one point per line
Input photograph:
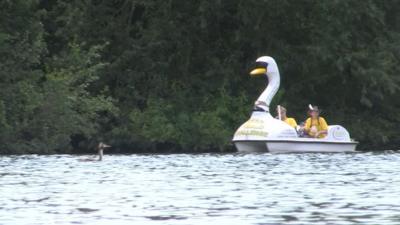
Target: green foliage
x=149 y=75
x=68 y=108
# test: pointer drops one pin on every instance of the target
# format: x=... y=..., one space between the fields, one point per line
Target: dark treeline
x=147 y=75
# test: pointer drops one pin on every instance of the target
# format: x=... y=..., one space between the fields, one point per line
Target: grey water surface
x=359 y=188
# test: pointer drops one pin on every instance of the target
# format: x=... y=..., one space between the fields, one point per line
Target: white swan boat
x=263 y=133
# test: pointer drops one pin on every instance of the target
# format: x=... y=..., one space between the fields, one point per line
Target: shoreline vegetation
x=172 y=76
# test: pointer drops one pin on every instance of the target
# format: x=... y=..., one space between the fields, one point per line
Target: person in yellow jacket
x=315 y=126
x=282 y=111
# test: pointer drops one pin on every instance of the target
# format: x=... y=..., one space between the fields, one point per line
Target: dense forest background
x=172 y=75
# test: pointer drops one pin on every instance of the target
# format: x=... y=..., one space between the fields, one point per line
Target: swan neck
x=271 y=89
x=100 y=154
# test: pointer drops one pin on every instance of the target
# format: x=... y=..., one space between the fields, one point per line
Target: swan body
x=262 y=132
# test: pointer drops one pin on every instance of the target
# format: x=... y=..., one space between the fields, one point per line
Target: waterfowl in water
x=100 y=148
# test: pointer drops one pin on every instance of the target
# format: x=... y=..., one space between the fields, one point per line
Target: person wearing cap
x=316 y=125
x=282 y=112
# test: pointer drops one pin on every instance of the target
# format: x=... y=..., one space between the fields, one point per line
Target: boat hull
x=293 y=146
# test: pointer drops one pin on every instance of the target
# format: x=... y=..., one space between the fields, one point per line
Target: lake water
x=201 y=189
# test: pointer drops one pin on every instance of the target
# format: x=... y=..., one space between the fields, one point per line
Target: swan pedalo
x=263 y=133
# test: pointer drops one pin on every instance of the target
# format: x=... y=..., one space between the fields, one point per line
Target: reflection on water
x=200 y=189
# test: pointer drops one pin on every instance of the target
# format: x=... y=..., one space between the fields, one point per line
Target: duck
x=100 y=149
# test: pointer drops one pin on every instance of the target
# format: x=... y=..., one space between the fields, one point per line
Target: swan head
x=265 y=65
x=102 y=146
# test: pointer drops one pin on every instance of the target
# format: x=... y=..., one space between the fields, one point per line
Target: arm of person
x=320 y=132
x=324 y=127
x=307 y=125
x=291 y=122
x=294 y=123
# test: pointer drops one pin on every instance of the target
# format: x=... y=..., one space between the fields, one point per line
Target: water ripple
x=200 y=189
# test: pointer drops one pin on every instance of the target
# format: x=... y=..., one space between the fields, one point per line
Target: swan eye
x=261 y=64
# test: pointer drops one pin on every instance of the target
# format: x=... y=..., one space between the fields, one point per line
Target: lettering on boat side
x=252 y=133
x=254 y=124
x=287 y=134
